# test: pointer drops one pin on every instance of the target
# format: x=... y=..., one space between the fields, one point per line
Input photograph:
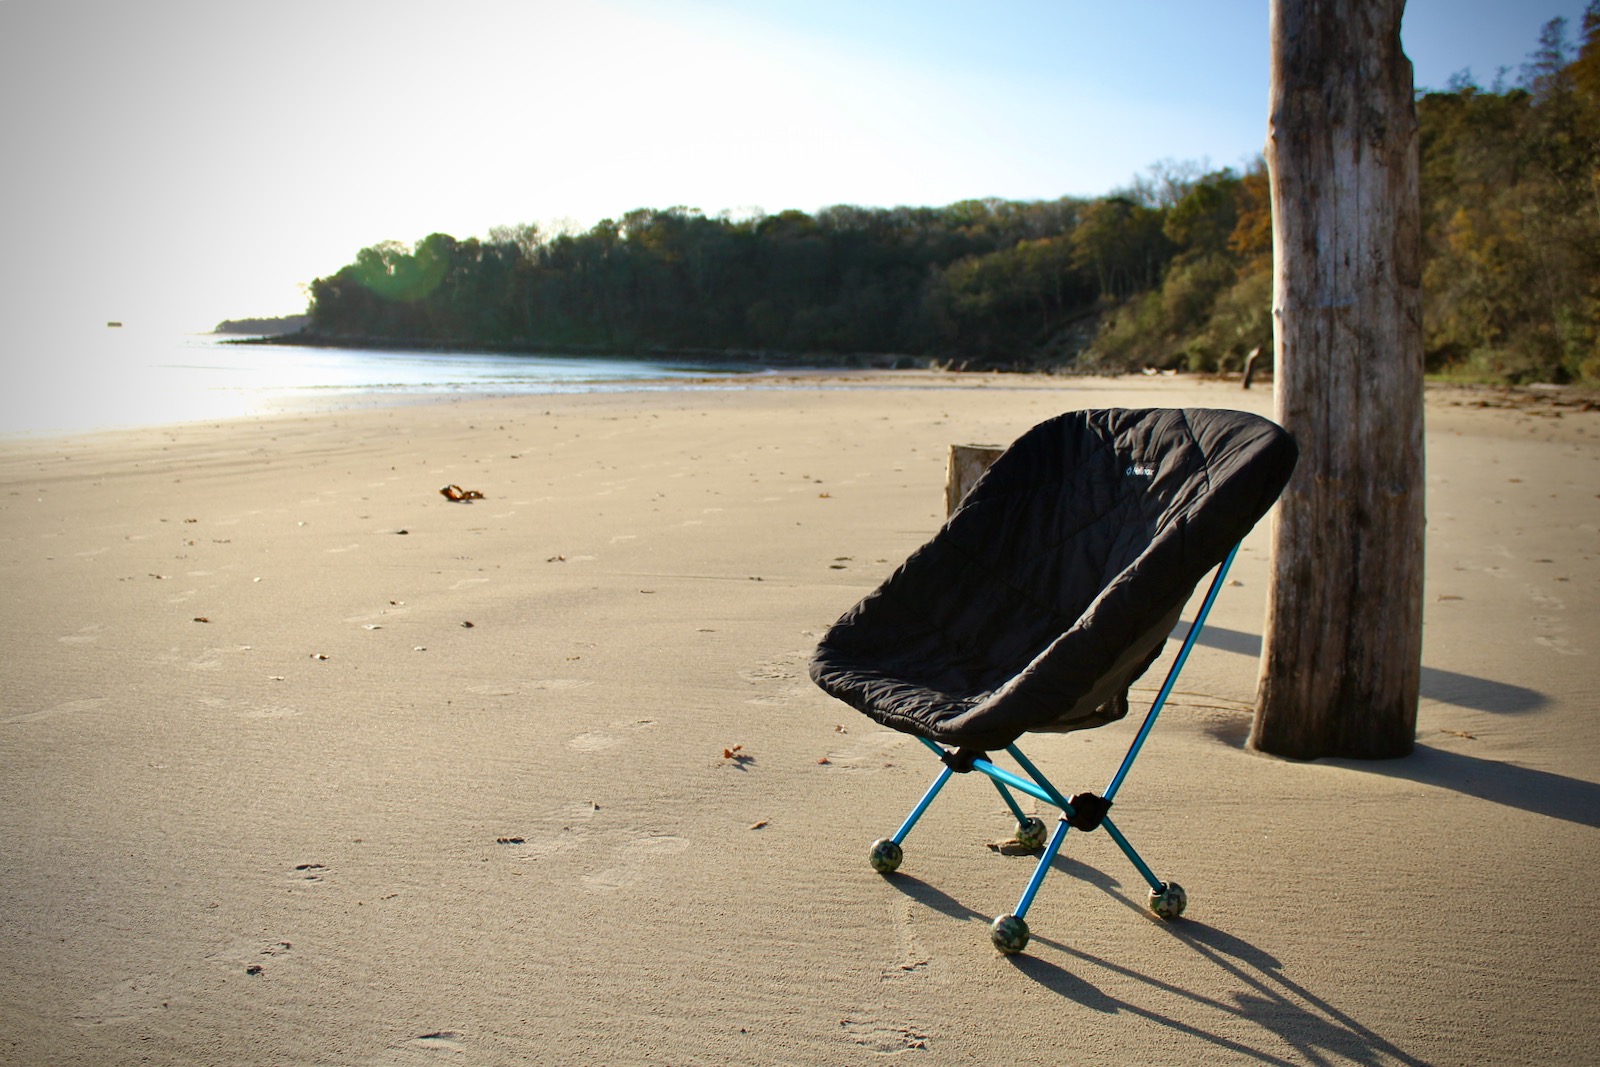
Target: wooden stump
x=966 y=465
x=1250 y=364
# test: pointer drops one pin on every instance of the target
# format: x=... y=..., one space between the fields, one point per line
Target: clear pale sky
x=184 y=162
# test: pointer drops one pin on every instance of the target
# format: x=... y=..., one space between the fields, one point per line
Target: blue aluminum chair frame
x=1085 y=811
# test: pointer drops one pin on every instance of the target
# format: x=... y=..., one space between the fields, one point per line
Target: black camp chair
x=1052 y=588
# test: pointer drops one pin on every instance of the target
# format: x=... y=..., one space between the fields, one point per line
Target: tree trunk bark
x=1342 y=651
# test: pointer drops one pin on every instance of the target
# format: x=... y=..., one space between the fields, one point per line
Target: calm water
x=117 y=378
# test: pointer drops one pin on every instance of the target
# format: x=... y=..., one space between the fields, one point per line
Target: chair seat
x=1055 y=584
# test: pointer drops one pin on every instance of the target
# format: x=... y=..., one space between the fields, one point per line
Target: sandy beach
x=306 y=764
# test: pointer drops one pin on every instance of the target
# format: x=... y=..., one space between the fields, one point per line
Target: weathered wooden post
x=1250 y=364
x=963 y=469
x=1342 y=651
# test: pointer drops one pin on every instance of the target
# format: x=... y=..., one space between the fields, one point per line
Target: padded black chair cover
x=1057 y=581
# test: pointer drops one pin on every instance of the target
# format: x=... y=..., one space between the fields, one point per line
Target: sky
x=179 y=162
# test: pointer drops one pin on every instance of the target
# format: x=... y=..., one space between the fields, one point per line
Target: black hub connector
x=960 y=760
x=1088 y=811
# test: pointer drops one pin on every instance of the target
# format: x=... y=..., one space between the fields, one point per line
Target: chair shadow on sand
x=1284 y=1010
x=1539 y=792
x=1290 y=1017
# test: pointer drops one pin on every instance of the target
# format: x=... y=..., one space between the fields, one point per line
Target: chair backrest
x=1057 y=581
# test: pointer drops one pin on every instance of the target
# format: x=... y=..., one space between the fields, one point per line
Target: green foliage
x=1511 y=232
x=1511 y=219
x=1176 y=269
x=982 y=279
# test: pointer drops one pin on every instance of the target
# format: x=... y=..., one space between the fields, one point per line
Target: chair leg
x=886 y=852
x=1167 y=899
x=1030 y=828
x=1009 y=933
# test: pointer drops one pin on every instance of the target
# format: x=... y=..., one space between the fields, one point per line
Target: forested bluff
x=1174 y=271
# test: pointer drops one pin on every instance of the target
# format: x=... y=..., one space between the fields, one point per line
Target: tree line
x=1173 y=271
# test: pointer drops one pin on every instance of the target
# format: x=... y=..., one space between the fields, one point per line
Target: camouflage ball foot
x=885 y=856
x=1169 y=901
x=1009 y=934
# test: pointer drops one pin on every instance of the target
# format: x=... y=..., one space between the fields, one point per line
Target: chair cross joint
x=1088 y=811
x=960 y=760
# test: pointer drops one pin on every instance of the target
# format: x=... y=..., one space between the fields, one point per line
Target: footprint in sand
x=126 y=1000
x=67 y=708
x=869 y=751
x=781 y=677
x=596 y=740
x=632 y=858
x=782 y=668
x=432 y=1046
x=439 y=1041
x=270 y=711
x=534 y=685
x=1548 y=629
x=309 y=872
x=885 y=1038
x=254 y=957
x=86 y=635
x=914 y=957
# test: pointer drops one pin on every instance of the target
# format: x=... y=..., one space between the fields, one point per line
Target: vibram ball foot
x=1009 y=934
x=886 y=856
x=1031 y=833
x=1169 y=901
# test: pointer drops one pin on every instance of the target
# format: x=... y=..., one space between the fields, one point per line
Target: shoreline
x=731 y=357
x=1541 y=401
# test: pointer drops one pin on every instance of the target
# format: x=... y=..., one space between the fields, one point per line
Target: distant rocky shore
x=282 y=324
